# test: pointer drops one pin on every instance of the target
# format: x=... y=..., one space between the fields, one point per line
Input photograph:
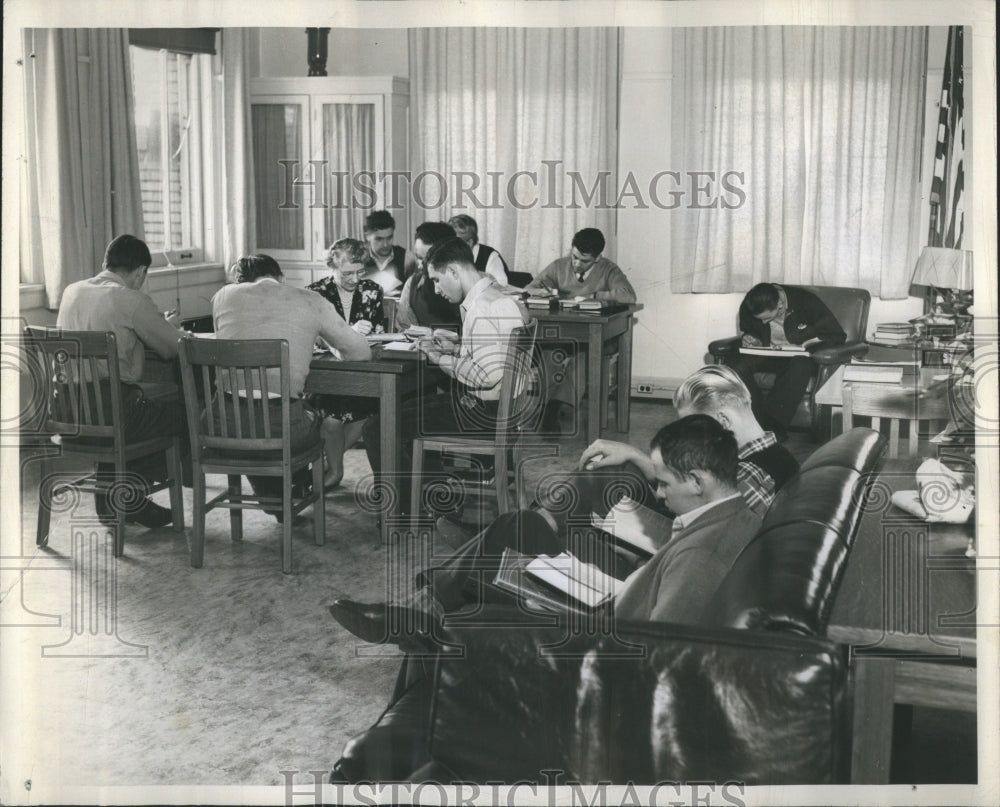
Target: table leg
x=391 y=431
x=624 y=377
x=597 y=384
x=874 y=690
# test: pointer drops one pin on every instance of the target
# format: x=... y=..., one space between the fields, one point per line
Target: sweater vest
x=483 y=257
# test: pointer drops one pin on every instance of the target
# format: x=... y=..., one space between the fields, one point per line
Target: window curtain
x=348 y=142
x=238 y=204
x=82 y=170
x=504 y=100
x=825 y=126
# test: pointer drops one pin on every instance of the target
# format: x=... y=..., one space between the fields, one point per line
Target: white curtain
x=349 y=144
x=238 y=206
x=505 y=100
x=81 y=185
x=825 y=124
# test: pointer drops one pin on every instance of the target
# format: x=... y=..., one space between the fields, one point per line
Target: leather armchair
x=756 y=695
x=850 y=307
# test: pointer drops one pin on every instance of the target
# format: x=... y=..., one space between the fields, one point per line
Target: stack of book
x=880 y=372
x=894 y=333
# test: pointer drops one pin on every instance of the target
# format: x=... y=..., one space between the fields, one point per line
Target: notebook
x=558 y=583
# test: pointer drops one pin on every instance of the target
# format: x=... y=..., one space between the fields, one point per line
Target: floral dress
x=366 y=304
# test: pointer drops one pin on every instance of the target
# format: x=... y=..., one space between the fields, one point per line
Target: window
x=168 y=127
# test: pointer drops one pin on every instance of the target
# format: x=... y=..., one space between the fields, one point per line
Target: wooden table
x=388 y=377
x=924 y=395
x=907 y=608
x=594 y=331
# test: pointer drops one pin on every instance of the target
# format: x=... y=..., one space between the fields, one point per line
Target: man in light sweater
x=260 y=306
x=584 y=272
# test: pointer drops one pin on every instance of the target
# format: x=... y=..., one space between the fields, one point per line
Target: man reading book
x=694 y=465
x=694 y=462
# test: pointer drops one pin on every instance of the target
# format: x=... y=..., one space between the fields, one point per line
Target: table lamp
x=947 y=274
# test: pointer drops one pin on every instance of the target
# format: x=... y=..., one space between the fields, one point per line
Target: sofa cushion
x=657 y=702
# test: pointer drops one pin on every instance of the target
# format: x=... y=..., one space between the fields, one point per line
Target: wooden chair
x=897 y=405
x=225 y=442
x=84 y=415
x=516 y=407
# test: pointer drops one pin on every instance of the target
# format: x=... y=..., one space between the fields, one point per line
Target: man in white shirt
x=260 y=306
x=485 y=258
x=475 y=363
x=114 y=301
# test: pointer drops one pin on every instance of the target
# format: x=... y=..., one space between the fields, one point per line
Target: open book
x=775 y=350
x=634 y=527
x=559 y=583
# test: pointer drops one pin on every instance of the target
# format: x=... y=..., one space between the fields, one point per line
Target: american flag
x=948 y=185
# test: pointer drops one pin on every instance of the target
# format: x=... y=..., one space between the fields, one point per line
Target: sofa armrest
x=839 y=354
x=652 y=702
x=724 y=348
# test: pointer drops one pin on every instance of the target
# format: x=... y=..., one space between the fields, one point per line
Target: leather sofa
x=757 y=695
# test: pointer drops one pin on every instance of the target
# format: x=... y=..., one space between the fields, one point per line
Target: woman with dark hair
x=359 y=303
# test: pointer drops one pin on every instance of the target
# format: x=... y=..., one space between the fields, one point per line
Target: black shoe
x=150 y=515
x=379 y=623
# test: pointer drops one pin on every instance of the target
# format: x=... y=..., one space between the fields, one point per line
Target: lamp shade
x=944 y=268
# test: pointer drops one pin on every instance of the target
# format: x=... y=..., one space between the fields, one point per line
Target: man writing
x=585 y=273
x=114 y=301
x=260 y=306
x=419 y=303
x=476 y=363
x=776 y=316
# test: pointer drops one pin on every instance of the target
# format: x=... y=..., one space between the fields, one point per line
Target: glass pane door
x=279 y=162
x=351 y=138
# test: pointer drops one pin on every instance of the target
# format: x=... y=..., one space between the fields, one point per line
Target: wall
x=673 y=331
x=352 y=52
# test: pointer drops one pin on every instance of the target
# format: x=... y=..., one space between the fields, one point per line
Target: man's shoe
x=379 y=623
x=151 y=515
x=449 y=534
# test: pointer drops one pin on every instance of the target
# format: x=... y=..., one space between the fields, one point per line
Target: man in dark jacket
x=773 y=316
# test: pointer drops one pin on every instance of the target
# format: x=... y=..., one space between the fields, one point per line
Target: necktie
x=579 y=277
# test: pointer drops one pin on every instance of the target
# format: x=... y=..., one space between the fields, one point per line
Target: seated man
x=773 y=315
x=486 y=259
x=260 y=306
x=475 y=364
x=714 y=390
x=694 y=464
x=582 y=273
x=387 y=264
x=419 y=304
x=114 y=301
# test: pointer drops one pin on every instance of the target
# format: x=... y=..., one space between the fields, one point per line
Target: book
x=558 y=583
x=894 y=327
x=375 y=338
x=892 y=338
x=776 y=350
x=878 y=373
x=634 y=527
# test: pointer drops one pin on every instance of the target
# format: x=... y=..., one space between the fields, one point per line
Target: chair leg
x=416 y=482
x=319 y=505
x=500 y=474
x=120 y=535
x=176 y=485
x=605 y=390
x=198 y=518
x=286 y=526
x=44 y=505
x=235 y=515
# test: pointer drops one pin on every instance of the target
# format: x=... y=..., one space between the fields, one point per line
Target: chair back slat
x=265 y=397
x=512 y=407
x=84 y=383
x=240 y=397
x=206 y=385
